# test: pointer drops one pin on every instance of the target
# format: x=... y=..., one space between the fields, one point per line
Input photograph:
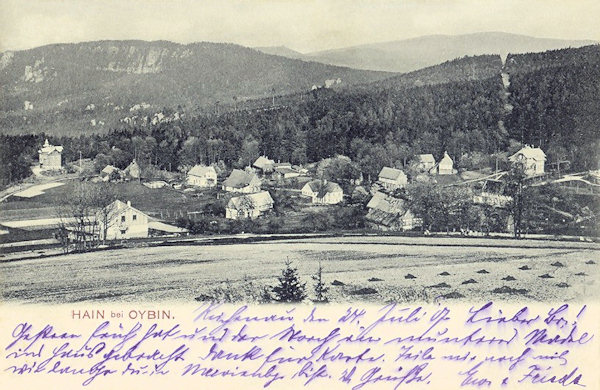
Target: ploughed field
x=369 y=268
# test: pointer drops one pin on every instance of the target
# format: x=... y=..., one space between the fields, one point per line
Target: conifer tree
x=290 y=289
x=320 y=287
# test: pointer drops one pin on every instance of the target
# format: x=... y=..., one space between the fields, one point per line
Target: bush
x=199 y=225
x=349 y=218
x=216 y=208
x=317 y=221
x=236 y=226
x=247 y=291
x=274 y=224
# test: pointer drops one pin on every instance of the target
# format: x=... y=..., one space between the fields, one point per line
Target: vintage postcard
x=299 y=194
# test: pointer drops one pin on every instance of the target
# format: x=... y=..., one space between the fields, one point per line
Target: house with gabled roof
x=241 y=181
x=50 y=156
x=392 y=178
x=133 y=170
x=285 y=172
x=264 y=164
x=122 y=221
x=425 y=162
x=533 y=160
x=202 y=176
x=323 y=192
x=444 y=167
x=390 y=214
x=249 y=206
x=110 y=172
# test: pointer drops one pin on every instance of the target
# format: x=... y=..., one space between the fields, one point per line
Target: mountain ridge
x=415 y=53
x=118 y=75
x=280 y=50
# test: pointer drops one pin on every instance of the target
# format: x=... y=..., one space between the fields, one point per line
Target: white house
x=50 y=156
x=323 y=192
x=392 y=178
x=389 y=213
x=425 y=161
x=202 y=176
x=249 y=206
x=240 y=181
x=133 y=170
x=533 y=160
x=444 y=167
x=122 y=221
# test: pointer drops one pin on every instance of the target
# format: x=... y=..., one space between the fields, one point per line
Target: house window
x=123 y=231
x=134 y=217
x=122 y=218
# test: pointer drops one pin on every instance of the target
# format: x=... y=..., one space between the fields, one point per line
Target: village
x=263 y=197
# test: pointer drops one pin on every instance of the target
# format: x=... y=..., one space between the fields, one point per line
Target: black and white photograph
x=443 y=165
x=307 y=153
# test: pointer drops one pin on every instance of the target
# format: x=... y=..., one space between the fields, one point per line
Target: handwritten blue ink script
x=392 y=346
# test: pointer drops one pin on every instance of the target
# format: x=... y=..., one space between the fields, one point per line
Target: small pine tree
x=290 y=289
x=320 y=287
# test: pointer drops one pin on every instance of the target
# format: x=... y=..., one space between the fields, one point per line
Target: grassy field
x=164 y=203
x=365 y=268
x=149 y=200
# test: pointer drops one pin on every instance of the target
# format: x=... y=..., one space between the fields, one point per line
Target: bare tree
x=103 y=197
x=76 y=216
x=245 y=206
x=84 y=215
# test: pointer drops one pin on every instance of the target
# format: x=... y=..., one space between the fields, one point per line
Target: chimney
x=129 y=203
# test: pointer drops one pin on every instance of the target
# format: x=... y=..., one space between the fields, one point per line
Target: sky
x=303 y=25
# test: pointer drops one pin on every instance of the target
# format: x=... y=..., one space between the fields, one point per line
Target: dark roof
x=386 y=203
x=386 y=210
x=285 y=170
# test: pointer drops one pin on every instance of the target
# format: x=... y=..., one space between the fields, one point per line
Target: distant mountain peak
x=281 y=50
x=415 y=53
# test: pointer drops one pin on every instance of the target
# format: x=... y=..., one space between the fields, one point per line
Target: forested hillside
x=556 y=100
x=528 y=62
x=461 y=107
x=84 y=87
x=372 y=125
x=460 y=69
